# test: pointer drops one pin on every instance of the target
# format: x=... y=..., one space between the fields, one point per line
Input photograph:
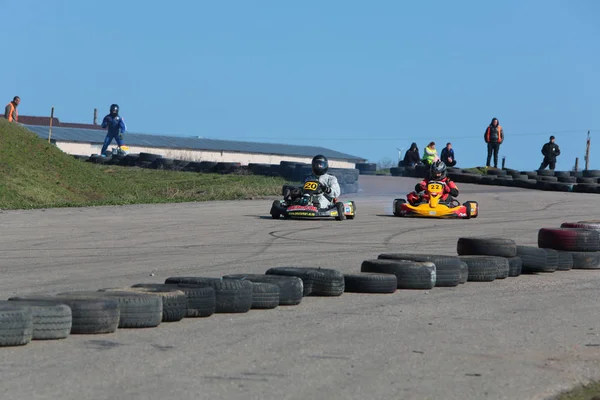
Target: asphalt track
x=520 y=338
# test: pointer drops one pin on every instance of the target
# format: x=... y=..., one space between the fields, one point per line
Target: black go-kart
x=305 y=204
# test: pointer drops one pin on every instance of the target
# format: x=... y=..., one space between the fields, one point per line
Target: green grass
x=36 y=174
x=585 y=392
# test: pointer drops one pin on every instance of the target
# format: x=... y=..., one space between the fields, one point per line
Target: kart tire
x=291 y=288
x=201 y=301
x=569 y=239
x=316 y=281
x=464 y=272
x=397 y=206
x=498 y=247
x=501 y=264
x=370 y=282
x=447 y=268
x=565 y=261
x=231 y=296
x=515 y=265
x=409 y=274
x=481 y=268
x=88 y=315
x=586 y=259
x=582 y=225
x=50 y=320
x=537 y=259
x=264 y=296
x=16 y=325
x=275 y=207
x=136 y=310
x=174 y=301
x=340 y=209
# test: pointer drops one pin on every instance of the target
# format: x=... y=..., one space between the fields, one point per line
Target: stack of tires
x=366 y=168
x=419 y=171
x=489 y=258
x=577 y=243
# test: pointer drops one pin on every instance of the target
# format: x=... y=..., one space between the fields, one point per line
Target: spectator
x=494 y=136
x=550 y=151
x=10 y=112
x=430 y=154
x=412 y=157
x=448 y=155
x=116 y=128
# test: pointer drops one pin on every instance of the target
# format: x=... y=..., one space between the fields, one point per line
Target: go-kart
x=434 y=207
x=305 y=205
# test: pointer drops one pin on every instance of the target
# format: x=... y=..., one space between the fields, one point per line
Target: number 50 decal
x=311 y=185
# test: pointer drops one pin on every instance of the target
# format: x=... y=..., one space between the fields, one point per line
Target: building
x=87 y=139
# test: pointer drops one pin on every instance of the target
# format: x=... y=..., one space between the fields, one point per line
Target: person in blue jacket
x=116 y=128
x=447 y=155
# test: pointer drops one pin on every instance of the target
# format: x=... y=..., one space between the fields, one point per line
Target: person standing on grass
x=494 y=136
x=10 y=111
x=116 y=127
x=447 y=155
x=550 y=151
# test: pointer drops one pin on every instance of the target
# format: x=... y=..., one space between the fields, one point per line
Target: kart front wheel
x=398 y=206
x=340 y=209
x=275 y=214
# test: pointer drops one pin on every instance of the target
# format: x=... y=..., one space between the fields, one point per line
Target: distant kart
x=435 y=207
x=307 y=206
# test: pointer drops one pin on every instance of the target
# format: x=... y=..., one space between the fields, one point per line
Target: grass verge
x=585 y=392
x=36 y=174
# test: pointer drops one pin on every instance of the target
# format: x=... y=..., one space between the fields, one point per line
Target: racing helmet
x=114 y=109
x=437 y=170
x=320 y=165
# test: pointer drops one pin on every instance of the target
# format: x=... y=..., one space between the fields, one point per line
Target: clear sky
x=362 y=77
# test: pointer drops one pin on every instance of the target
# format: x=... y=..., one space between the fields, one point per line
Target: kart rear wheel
x=275 y=214
x=340 y=209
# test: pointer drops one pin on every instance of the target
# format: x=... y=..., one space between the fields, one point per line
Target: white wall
x=198 y=155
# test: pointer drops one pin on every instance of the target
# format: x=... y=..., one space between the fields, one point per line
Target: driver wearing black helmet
x=437 y=172
x=328 y=183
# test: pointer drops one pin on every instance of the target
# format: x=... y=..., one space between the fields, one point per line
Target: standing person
x=116 y=128
x=550 y=151
x=10 y=111
x=447 y=155
x=429 y=154
x=412 y=157
x=494 y=136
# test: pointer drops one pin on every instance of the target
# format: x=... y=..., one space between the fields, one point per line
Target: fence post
x=576 y=164
x=587 y=152
x=503 y=161
x=50 y=129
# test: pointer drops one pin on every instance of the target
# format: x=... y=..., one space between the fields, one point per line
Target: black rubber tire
x=89 y=316
x=515 y=265
x=275 y=209
x=569 y=239
x=363 y=167
x=137 y=310
x=586 y=259
x=583 y=179
x=536 y=259
x=174 y=301
x=316 y=281
x=16 y=325
x=464 y=272
x=447 y=268
x=545 y=172
x=567 y=179
x=409 y=274
x=264 y=296
x=591 y=173
x=496 y=172
x=480 y=268
x=50 y=320
x=201 y=301
x=498 y=247
x=231 y=296
x=149 y=157
x=340 y=209
x=500 y=263
x=290 y=287
x=582 y=225
x=565 y=261
x=369 y=282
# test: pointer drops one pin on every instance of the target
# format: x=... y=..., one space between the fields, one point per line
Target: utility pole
x=587 y=152
x=95 y=116
x=50 y=129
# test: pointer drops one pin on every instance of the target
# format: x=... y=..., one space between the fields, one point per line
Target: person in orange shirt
x=10 y=111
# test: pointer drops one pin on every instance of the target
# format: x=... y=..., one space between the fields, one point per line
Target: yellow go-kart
x=433 y=207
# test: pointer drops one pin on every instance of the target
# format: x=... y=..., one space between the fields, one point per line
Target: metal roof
x=161 y=141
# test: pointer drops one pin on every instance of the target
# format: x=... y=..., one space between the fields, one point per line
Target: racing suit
x=327 y=181
x=116 y=128
x=450 y=189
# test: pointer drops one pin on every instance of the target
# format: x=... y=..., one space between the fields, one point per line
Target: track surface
x=519 y=338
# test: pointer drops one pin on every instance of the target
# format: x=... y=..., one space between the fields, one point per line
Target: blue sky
x=355 y=76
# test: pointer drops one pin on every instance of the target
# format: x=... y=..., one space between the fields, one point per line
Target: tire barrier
x=289 y=170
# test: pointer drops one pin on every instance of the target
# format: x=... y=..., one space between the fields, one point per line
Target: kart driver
x=437 y=172
x=328 y=183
